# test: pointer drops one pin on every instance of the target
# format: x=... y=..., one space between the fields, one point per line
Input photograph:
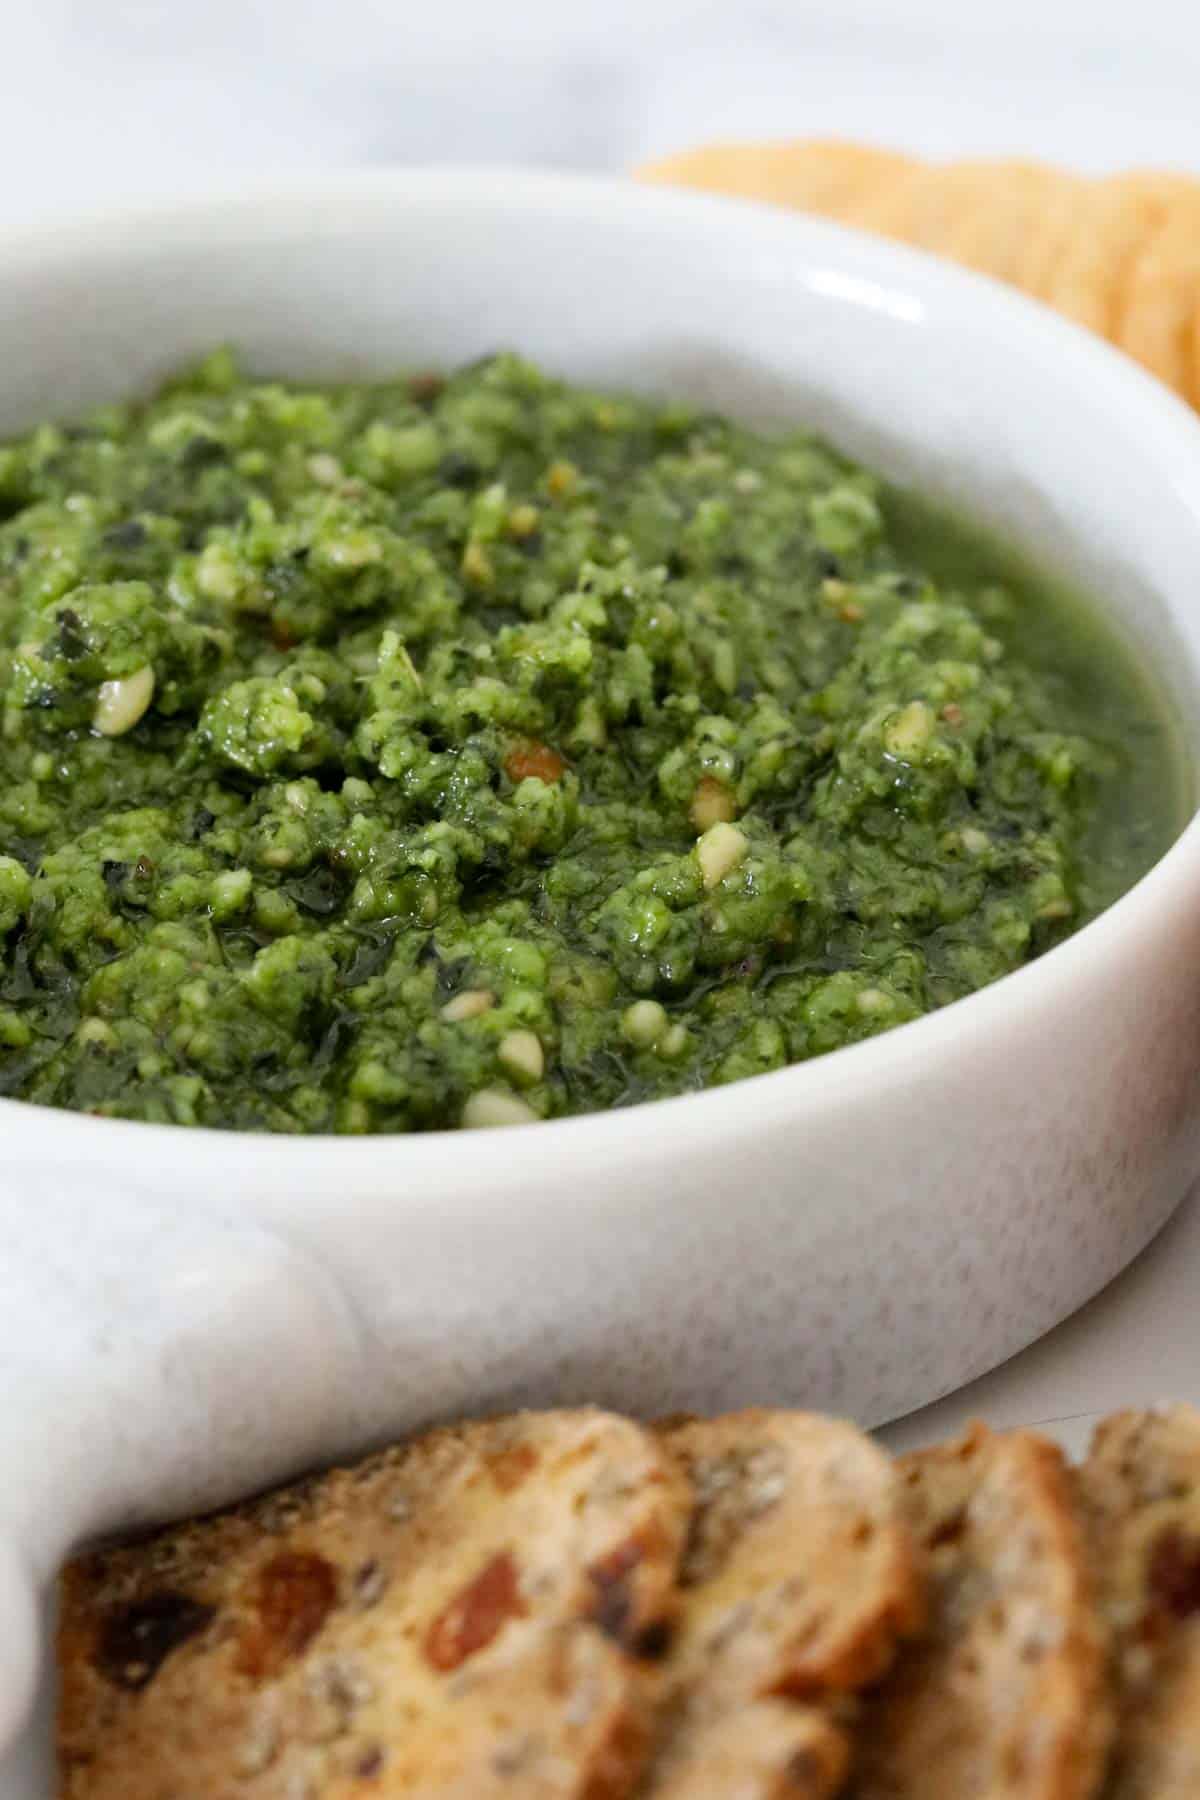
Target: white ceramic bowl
x=185 y=1315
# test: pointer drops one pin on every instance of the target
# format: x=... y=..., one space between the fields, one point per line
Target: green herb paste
x=438 y=752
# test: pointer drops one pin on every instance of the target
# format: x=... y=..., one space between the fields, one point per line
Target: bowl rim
x=643 y=1134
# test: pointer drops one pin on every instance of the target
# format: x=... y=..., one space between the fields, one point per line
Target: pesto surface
x=436 y=752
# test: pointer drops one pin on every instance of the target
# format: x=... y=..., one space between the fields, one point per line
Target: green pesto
x=371 y=750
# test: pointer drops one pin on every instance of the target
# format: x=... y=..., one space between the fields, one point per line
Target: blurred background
x=103 y=99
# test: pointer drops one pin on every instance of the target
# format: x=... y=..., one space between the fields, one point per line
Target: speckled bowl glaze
x=185 y=1315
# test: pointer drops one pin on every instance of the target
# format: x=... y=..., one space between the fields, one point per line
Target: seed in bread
x=1006 y=1699
x=469 y=1615
x=799 y=1578
x=1141 y=1495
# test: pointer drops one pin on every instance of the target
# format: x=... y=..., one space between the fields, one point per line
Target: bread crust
x=470 y=1615
x=799 y=1579
x=1006 y=1699
x=1140 y=1489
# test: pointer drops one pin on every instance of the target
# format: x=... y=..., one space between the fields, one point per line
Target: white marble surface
x=107 y=98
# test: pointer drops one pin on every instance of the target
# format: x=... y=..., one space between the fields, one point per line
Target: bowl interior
x=935 y=377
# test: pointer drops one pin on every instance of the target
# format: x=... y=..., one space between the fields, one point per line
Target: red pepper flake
x=531 y=758
x=476 y=1615
x=296 y=1593
x=425 y=388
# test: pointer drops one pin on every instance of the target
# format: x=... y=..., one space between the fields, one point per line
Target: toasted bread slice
x=800 y=1576
x=1006 y=1699
x=1141 y=1496
x=464 y=1616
